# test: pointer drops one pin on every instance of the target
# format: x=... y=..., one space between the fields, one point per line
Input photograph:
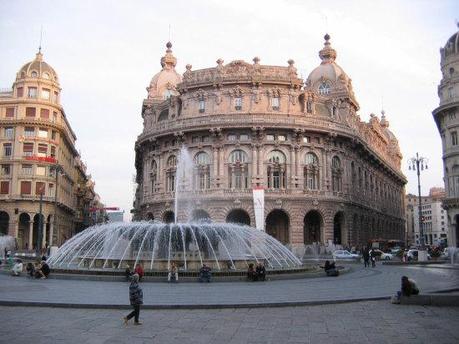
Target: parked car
x=383 y=255
x=343 y=254
x=413 y=255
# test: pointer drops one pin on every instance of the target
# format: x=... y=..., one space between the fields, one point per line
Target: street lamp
x=418 y=164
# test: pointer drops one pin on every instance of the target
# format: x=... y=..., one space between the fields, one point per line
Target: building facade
x=434 y=218
x=327 y=176
x=38 y=158
x=447 y=119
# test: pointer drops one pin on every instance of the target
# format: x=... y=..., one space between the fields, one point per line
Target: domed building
x=259 y=134
x=39 y=160
x=446 y=117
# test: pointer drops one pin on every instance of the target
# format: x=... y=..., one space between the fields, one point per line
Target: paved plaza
x=360 y=283
x=361 y=322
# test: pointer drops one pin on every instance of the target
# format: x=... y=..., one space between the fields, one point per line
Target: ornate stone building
x=327 y=175
x=447 y=119
x=38 y=155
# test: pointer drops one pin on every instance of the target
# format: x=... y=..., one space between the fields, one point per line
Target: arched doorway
x=36 y=223
x=312 y=227
x=277 y=225
x=149 y=217
x=23 y=231
x=338 y=224
x=200 y=215
x=4 y=222
x=238 y=216
x=169 y=217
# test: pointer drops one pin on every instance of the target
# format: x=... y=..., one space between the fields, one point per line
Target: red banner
x=42 y=158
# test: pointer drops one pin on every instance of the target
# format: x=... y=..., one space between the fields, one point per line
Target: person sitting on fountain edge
x=43 y=270
x=330 y=269
x=204 y=273
x=251 y=274
x=173 y=274
x=260 y=271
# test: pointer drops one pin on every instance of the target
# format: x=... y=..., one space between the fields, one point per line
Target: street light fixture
x=418 y=164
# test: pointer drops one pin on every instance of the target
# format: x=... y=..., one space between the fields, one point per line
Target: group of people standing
x=369 y=255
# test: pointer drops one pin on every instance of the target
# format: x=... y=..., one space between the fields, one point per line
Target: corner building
x=327 y=176
x=38 y=156
x=447 y=119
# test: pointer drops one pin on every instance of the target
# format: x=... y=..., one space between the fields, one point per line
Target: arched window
x=238 y=169
x=202 y=171
x=276 y=171
x=170 y=173
x=34 y=74
x=167 y=94
x=353 y=175
x=324 y=88
x=311 y=172
x=336 y=174
x=153 y=175
x=164 y=115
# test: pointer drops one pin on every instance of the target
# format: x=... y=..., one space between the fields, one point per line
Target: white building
x=115 y=216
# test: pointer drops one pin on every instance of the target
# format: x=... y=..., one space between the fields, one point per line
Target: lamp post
x=57 y=168
x=418 y=164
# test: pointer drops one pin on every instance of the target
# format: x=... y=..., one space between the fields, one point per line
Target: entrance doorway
x=238 y=216
x=312 y=227
x=338 y=224
x=277 y=225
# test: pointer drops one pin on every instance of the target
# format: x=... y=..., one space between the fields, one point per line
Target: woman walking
x=136 y=299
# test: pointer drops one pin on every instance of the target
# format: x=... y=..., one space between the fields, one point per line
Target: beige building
x=37 y=156
x=434 y=218
x=447 y=119
x=327 y=176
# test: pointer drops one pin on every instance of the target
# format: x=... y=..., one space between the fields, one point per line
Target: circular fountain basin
x=224 y=247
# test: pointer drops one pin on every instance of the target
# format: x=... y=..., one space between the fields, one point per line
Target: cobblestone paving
x=359 y=322
x=381 y=281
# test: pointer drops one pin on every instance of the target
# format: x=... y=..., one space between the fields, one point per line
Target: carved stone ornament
x=315 y=203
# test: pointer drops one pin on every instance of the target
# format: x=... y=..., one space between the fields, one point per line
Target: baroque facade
x=327 y=175
x=447 y=119
x=38 y=158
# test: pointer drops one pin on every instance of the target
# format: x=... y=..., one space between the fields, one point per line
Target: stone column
x=43 y=237
x=292 y=169
x=31 y=243
x=254 y=162
x=51 y=232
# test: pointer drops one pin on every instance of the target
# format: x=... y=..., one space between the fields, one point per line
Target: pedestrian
x=251 y=274
x=260 y=271
x=17 y=268
x=173 y=274
x=136 y=299
x=30 y=269
x=373 y=258
x=366 y=257
x=42 y=271
x=205 y=273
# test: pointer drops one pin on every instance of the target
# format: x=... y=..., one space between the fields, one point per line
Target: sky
x=106 y=52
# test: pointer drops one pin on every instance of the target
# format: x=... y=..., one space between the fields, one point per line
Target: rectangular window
x=53 y=135
x=45 y=94
x=29 y=132
x=41 y=170
x=454 y=138
x=39 y=188
x=205 y=138
x=202 y=106
x=44 y=113
x=53 y=152
x=4 y=188
x=26 y=188
x=6 y=170
x=7 y=149
x=269 y=137
x=275 y=103
x=42 y=149
x=32 y=92
x=238 y=103
x=30 y=112
x=306 y=139
x=54 y=117
x=27 y=170
x=244 y=137
x=232 y=137
x=56 y=97
x=10 y=112
x=281 y=138
x=195 y=139
x=43 y=133
x=27 y=148
x=20 y=92
x=9 y=132
x=51 y=190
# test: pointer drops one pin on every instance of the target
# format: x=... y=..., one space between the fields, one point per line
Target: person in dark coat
x=330 y=269
x=366 y=257
x=43 y=270
x=260 y=271
x=204 y=273
x=408 y=287
x=136 y=299
x=251 y=274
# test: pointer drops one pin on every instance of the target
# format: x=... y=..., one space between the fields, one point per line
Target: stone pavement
x=360 y=284
x=374 y=322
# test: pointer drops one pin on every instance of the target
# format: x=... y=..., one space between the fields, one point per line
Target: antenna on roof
x=382 y=103
x=169 y=32
x=41 y=38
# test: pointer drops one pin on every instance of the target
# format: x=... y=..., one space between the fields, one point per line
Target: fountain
x=154 y=245
x=7 y=243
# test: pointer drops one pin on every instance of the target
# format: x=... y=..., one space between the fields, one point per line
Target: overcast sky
x=106 y=52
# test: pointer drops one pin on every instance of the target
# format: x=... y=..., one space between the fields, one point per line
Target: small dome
x=328 y=69
x=37 y=69
x=452 y=45
x=164 y=83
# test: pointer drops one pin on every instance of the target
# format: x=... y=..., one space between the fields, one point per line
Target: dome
x=164 y=83
x=37 y=69
x=328 y=70
x=452 y=45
